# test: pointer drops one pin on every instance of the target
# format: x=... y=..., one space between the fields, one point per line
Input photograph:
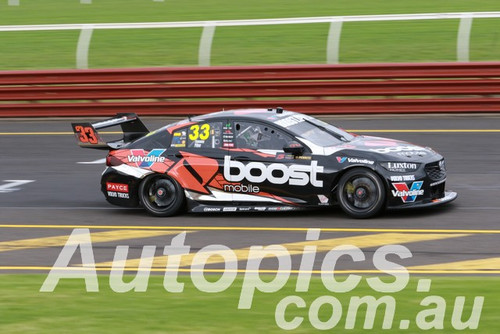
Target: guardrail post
x=82 y=49
x=333 y=43
x=463 y=38
x=206 y=44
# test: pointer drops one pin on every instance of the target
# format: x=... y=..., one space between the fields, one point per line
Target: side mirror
x=294 y=148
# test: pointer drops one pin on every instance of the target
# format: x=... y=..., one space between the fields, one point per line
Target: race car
x=262 y=160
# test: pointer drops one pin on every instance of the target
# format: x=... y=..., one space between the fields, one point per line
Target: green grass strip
x=71 y=309
x=401 y=41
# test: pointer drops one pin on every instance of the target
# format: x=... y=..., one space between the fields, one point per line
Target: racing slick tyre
x=361 y=193
x=161 y=196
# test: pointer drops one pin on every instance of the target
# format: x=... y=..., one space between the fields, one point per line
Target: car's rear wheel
x=161 y=196
x=361 y=193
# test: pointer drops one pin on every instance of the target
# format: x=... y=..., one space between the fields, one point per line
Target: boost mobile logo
x=296 y=175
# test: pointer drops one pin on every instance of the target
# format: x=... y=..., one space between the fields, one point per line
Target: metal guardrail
x=313 y=107
x=314 y=89
x=332 y=44
x=254 y=73
x=252 y=89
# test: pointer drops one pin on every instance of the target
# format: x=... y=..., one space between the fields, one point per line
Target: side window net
x=260 y=136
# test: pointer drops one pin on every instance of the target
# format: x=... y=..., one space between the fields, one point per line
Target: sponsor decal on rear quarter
x=144 y=161
x=119 y=190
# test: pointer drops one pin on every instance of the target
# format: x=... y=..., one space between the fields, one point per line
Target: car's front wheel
x=161 y=196
x=361 y=193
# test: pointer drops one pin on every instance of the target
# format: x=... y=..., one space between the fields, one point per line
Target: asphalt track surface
x=462 y=237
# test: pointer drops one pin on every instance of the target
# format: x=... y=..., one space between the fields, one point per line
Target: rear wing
x=87 y=135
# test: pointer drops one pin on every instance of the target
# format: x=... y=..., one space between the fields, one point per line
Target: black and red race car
x=262 y=160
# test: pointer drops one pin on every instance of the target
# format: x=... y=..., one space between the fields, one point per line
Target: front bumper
x=449 y=196
x=422 y=188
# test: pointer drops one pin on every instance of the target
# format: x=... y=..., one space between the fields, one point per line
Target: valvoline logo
x=341 y=160
x=142 y=160
x=406 y=194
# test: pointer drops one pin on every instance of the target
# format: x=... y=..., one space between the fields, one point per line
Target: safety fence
x=314 y=89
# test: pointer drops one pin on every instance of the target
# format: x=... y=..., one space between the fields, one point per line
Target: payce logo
x=296 y=175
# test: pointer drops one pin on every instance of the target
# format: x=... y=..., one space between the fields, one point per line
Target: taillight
x=112 y=160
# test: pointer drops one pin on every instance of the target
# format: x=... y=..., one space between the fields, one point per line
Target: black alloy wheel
x=361 y=193
x=161 y=196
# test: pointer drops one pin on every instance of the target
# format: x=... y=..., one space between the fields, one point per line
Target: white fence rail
x=332 y=48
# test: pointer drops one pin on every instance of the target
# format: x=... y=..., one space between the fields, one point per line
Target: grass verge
x=71 y=309
x=402 y=41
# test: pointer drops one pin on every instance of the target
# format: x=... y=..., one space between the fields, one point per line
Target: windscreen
x=314 y=130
